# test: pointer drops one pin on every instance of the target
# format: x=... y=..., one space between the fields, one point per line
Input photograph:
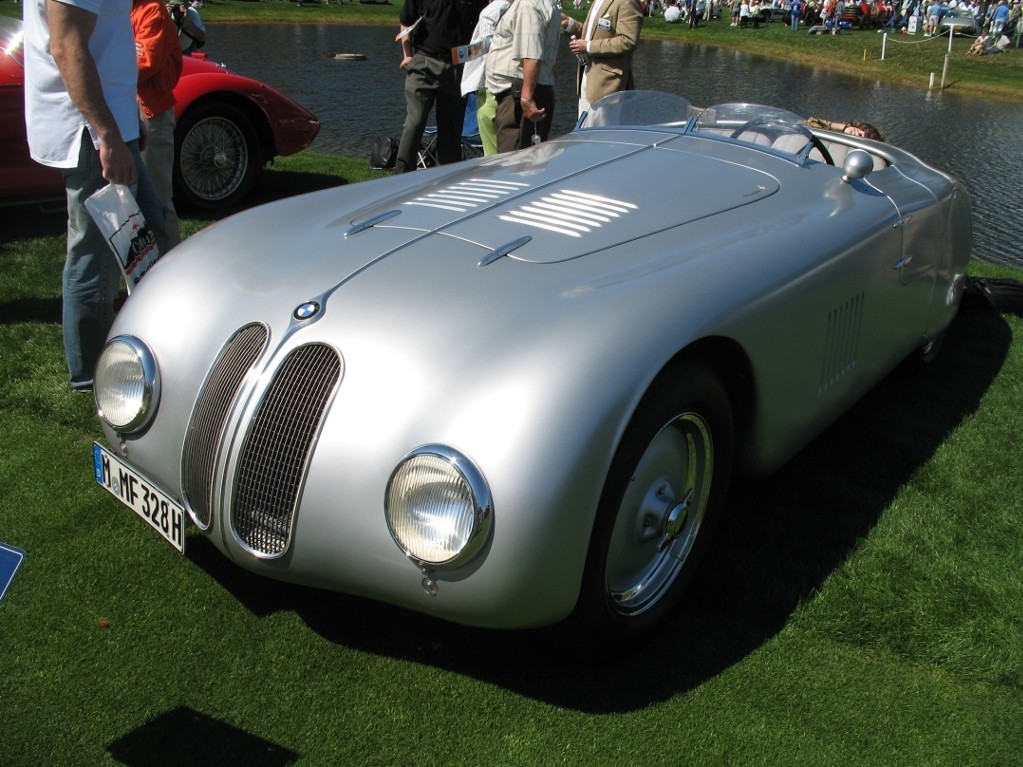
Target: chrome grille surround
x=206 y=429
x=272 y=464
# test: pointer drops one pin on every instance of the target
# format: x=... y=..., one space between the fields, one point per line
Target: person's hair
x=869 y=131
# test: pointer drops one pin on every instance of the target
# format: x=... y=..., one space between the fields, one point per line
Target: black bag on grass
x=1004 y=295
x=385 y=151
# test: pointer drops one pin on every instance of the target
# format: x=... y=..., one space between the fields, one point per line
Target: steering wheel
x=768 y=126
x=819 y=146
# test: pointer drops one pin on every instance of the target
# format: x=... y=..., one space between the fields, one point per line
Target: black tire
x=217 y=157
x=661 y=500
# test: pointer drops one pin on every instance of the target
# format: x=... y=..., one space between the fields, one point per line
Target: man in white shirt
x=82 y=116
x=520 y=72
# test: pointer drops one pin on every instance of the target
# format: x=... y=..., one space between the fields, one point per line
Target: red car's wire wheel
x=217 y=157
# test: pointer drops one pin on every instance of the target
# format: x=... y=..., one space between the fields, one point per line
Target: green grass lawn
x=860 y=607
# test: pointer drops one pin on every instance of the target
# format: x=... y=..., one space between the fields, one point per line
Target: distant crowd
x=993 y=17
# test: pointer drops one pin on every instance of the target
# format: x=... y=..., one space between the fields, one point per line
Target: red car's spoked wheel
x=217 y=157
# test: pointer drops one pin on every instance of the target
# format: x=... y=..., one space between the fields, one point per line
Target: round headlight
x=126 y=385
x=438 y=507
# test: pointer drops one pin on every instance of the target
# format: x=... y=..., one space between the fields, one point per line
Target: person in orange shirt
x=159 y=60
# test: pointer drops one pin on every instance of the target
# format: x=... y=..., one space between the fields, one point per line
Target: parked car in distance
x=513 y=390
x=960 y=21
x=701 y=9
x=228 y=127
x=774 y=11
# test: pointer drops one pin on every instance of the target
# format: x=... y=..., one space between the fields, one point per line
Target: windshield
x=12 y=39
x=638 y=108
x=776 y=130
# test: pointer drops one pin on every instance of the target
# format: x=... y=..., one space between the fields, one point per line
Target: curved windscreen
x=638 y=108
x=777 y=130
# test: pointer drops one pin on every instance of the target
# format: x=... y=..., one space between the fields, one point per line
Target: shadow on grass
x=779 y=541
x=32 y=220
x=24 y=222
x=185 y=736
x=275 y=185
x=44 y=310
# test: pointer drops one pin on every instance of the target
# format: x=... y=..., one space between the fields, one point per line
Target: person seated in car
x=849 y=127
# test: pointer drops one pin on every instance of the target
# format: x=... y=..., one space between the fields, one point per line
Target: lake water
x=357 y=101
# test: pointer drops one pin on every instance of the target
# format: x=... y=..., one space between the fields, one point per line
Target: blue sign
x=10 y=561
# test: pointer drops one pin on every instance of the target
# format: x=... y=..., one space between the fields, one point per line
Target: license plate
x=140 y=495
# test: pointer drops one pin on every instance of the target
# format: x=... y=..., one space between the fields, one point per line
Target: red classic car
x=229 y=127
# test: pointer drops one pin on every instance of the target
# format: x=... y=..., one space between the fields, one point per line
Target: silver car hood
x=542 y=205
x=569 y=205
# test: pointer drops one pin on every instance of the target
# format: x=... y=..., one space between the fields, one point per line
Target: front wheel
x=661 y=499
x=217 y=159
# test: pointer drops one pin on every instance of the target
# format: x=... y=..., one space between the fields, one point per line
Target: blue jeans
x=91 y=274
x=159 y=160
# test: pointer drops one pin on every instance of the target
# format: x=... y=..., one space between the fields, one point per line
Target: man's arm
x=70 y=30
x=406 y=47
x=530 y=75
x=152 y=44
x=408 y=18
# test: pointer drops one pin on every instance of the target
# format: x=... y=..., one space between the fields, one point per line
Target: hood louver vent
x=568 y=212
x=468 y=195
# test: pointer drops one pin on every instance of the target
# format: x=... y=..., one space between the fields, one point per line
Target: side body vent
x=841 y=346
x=205 y=432
x=272 y=465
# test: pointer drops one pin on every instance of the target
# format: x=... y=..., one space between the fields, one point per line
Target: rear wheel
x=217 y=159
x=660 y=503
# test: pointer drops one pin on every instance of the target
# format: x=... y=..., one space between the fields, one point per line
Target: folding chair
x=472 y=144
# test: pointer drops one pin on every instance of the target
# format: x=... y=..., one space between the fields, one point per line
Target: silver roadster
x=513 y=390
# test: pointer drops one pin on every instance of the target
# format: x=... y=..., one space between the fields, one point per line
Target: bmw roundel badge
x=306 y=310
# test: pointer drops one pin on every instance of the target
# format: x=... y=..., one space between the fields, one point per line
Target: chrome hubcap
x=660 y=515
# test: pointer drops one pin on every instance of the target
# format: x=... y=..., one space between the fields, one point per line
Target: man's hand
x=531 y=111
x=118 y=163
x=577 y=46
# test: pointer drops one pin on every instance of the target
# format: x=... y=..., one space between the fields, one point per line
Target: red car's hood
x=198 y=63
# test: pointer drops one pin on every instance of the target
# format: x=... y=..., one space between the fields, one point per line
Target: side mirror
x=858 y=164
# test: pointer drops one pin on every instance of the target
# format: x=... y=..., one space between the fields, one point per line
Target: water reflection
x=360 y=100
